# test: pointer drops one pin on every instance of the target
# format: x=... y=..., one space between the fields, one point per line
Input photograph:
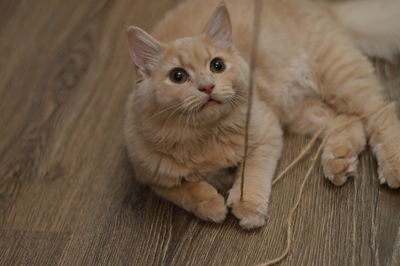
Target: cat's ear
x=219 y=27
x=146 y=52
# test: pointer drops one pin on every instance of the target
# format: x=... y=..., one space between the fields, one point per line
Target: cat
x=185 y=119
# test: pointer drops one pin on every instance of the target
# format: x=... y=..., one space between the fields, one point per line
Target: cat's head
x=202 y=76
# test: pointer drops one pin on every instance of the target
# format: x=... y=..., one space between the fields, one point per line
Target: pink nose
x=207 y=89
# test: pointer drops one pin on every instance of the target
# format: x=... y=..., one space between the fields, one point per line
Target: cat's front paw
x=211 y=209
x=251 y=214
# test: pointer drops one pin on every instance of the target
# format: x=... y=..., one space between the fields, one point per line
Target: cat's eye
x=217 y=65
x=178 y=75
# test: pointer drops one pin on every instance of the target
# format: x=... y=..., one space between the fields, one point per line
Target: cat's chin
x=212 y=112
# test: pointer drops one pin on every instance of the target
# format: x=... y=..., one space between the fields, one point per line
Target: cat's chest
x=215 y=153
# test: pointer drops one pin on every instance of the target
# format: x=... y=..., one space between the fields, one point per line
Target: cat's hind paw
x=339 y=165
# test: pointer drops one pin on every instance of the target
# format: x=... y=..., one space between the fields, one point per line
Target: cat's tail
x=373 y=24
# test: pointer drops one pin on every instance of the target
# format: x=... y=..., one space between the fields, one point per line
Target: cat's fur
x=308 y=74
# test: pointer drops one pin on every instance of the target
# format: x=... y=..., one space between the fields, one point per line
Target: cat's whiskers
x=187 y=120
x=236 y=100
x=172 y=106
x=164 y=134
x=185 y=108
x=194 y=117
x=188 y=109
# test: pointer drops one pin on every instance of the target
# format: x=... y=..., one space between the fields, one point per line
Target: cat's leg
x=200 y=198
x=265 y=146
x=384 y=131
x=348 y=83
x=339 y=157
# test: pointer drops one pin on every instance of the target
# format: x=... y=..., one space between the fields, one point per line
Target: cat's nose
x=207 y=88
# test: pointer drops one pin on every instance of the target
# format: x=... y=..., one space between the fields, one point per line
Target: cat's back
x=282 y=22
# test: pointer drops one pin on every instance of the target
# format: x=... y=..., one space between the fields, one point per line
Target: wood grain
x=67 y=190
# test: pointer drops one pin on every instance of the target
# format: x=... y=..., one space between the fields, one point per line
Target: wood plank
x=67 y=193
x=31 y=248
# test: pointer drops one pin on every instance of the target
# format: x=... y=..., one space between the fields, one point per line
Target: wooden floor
x=67 y=192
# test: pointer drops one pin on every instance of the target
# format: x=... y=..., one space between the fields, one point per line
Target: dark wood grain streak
x=31 y=248
x=67 y=190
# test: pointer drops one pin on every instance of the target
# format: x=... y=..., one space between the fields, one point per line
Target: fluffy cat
x=186 y=117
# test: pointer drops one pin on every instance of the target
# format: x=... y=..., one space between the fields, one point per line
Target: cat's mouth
x=210 y=102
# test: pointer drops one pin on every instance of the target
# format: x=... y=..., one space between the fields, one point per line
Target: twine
x=256 y=25
x=317 y=134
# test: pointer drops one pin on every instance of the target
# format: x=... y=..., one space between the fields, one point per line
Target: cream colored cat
x=186 y=118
